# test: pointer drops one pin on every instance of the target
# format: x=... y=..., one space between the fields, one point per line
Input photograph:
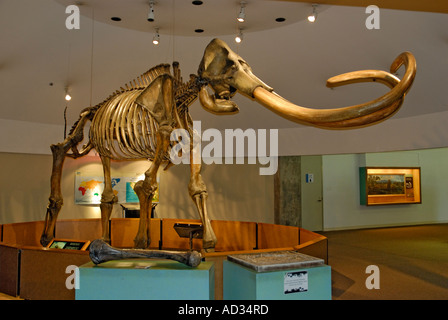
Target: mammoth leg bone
x=209 y=239
x=108 y=199
x=145 y=189
x=55 y=200
x=101 y=252
x=59 y=152
x=198 y=193
x=158 y=98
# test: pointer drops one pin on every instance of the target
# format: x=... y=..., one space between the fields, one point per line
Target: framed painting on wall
x=389 y=185
x=88 y=189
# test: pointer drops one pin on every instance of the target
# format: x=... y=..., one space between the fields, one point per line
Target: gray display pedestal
x=282 y=275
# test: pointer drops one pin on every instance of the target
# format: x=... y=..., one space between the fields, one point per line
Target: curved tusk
x=366 y=120
x=363 y=76
x=353 y=116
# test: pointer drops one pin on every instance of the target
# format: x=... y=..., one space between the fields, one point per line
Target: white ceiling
x=294 y=57
x=215 y=17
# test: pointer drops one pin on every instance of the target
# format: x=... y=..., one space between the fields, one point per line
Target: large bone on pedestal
x=101 y=252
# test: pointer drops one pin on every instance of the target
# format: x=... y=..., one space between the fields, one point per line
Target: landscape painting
x=386 y=184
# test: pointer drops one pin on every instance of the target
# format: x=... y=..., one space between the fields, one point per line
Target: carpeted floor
x=412 y=263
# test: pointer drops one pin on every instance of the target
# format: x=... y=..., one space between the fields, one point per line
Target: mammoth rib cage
x=122 y=129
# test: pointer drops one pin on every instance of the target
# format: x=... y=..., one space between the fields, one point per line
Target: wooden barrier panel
x=313 y=244
x=317 y=248
x=43 y=272
x=277 y=236
x=306 y=235
x=235 y=235
x=23 y=233
x=171 y=240
x=84 y=229
x=9 y=269
x=124 y=230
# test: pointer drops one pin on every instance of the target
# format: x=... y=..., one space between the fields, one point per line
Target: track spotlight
x=312 y=17
x=156 y=38
x=239 y=37
x=151 y=11
x=242 y=15
x=68 y=97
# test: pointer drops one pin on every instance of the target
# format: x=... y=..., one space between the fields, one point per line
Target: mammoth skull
x=227 y=73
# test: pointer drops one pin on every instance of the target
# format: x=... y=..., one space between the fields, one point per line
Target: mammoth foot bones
x=101 y=252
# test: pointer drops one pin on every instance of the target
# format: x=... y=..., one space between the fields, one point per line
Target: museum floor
x=412 y=262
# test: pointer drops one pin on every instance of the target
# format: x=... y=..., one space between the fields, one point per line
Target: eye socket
x=230 y=65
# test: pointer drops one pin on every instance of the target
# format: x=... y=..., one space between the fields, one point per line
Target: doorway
x=312 y=194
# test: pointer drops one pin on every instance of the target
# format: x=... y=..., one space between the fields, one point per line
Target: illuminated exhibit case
x=389 y=185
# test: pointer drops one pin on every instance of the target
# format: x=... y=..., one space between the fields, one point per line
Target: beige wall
x=342 y=208
x=236 y=192
x=24 y=185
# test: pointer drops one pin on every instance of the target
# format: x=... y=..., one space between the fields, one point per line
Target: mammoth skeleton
x=136 y=122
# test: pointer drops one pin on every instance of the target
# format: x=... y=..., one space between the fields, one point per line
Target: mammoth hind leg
x=108 y=199
x=55 y=200
x=59 y=152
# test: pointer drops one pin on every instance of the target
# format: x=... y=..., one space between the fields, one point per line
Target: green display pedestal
x=145 y=280
x=241 y=283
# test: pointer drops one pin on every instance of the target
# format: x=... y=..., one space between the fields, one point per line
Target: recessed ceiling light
x=197 y=2
x=312 y=17
x=199 y=30
x=280 y=19
x=115 y=19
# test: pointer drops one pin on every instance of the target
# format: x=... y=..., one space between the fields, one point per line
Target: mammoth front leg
x=145 y=189
x=158 y=97
x=198 y=193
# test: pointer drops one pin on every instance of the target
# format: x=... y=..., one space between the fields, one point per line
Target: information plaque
x=66 y=244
